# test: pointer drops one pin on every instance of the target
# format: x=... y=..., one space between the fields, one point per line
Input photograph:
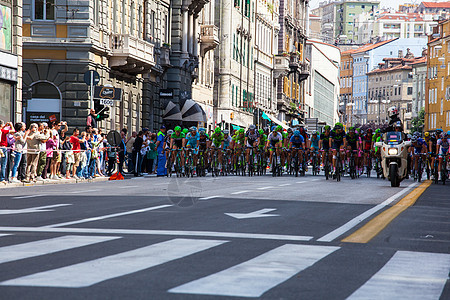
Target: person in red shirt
x=5 y=130
x=76 y=148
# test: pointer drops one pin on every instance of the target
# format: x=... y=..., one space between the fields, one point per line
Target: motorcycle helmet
x=392 y=111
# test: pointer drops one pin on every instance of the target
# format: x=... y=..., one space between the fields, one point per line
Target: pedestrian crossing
x=405 y=275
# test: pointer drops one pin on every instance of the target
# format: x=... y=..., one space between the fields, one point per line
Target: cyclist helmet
x=378 y=130
x=202 y=132
x=241 y=130
x=392 y=111
x=177 y=128
x=398 y=124
x=416 y=134
x=252 y=127
x=369 y=131
x=193 y=128
x=290 y=130
x=315 y=133
x=448 y=133
x=169 y=132
x=351 y=129
x=226 y=131
x=338 y=125
x=439 y=130
x=217 y=130
x=427 y=134
x=185 y=130
x=413 y=139
x=274 y=128
x=327 y=127
x=202 y=129
x=261 y=131
x=296 y=133
x=279 y=128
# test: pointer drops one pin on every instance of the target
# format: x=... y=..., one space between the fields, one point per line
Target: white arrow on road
x=30 y=210
x=256 y=214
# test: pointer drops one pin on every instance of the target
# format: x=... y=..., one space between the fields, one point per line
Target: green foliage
x=418 y=123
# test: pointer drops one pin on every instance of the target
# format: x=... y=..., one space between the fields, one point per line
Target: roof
x=395 y=68
x=405 y=17
x=369 y=47
x=313 y=16
x=318 y=42
x=420 y=60
x=436 y=4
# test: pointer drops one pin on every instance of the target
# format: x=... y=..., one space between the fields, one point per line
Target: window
x=410 y=89
x=44 y=9
x=132 y=19
x=232 y=95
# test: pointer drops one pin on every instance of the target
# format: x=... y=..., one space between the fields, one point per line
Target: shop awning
x=192 y=112
x=172 y=112
x=275 y=120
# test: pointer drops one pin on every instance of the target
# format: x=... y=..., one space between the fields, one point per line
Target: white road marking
x=128 y=187
x=258 y=275
x=215 y=234
x=98 y=270
x=31 y=209
x=300 y=181
x=4 y=234
x=37 y=248
x=109 y=216
x=256 y=214
x=265 y=187
x=28 y=196
x=286 y=184
x=82 y=191
x=408 y=275
x=240 y=192
x=355 y=221
x=317 y=179
x=210 y=197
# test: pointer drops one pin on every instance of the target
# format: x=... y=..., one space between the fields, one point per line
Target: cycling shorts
x=337 y=145
x=178 y=143
x=443 y=151
x=417 y=151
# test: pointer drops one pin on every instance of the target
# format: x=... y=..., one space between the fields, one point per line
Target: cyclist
x=337 y=141
x=418 y=146
x=443 y=148
x=238 y=144
x=166 y=144
x=262 y=145
x=431 y=141
x=351 y=143
x=274 y=141
x=251 y=140
x=177 y=140
x=325 y=142
x=314 y=146
x=185 y=131
x=191 y=144
x=203 y=144
x=367 y=147
x=217 y=140
x=297 y=143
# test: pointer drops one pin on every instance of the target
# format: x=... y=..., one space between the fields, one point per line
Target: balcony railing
x=131 y=54
x=209 y=38
x=281 y=65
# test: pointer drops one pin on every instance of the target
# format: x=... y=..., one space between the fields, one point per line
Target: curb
x=53 y=182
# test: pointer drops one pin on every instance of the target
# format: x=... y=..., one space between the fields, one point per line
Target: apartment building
x=346 y=88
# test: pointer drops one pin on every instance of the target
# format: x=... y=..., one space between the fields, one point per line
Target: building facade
x=346 y=88
x=322 y=86
x=315 y=27
x=437 y=97
x=114 y=38
x=419 y=72
x=291 y=43
x=11 y=60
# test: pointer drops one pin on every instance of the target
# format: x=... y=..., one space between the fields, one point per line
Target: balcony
x=130 y=54
x=209 y=38
x=294 y=61
x=281 y=65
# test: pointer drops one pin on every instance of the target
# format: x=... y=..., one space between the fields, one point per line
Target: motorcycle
x=394 y=156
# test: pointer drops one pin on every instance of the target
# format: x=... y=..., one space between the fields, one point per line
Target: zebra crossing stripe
x=98 y=270
x=4 y=234
x=408 y=275
x=37 y=248
x=258 y=275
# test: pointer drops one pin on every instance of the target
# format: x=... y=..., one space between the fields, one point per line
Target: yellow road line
x=377 y=224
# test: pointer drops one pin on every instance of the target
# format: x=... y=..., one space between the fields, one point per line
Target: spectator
x=76 y=148
x=161 y=171
x=122 y=148
x=34 y=141
x=43 y=129
x=152 y=154
x=5 y=129
x=137 y=156
x=50 y=146
x=129 y=145
x=20 y=141
x=92 y=119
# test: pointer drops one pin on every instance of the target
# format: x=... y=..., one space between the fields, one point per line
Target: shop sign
x=39 y=117
x=107 y=92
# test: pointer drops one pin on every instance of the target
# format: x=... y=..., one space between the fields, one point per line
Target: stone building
x=11 y=60
x=419 y=72
x=346 y=90
x=291 y=43
x=115 y=38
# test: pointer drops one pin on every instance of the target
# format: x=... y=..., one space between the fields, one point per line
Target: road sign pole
x=92 y=89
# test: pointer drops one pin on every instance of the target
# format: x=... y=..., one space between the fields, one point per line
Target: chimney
x=400 y=53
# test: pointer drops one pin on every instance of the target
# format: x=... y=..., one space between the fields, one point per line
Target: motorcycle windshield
x=393 y=138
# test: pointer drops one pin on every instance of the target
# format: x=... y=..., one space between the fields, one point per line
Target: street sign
x=107 y=92
x=87 y=77
x=108 y=102
x=113 y=138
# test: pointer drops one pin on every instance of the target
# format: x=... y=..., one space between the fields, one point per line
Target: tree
x=418 y=122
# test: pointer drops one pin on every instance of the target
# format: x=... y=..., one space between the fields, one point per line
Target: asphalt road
x=229 y=237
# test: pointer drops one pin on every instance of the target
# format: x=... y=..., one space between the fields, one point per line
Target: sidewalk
x=47 y=182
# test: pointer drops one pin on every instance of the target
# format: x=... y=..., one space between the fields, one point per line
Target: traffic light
x=101 y=110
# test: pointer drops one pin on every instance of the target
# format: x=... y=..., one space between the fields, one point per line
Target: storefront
x=8 y=64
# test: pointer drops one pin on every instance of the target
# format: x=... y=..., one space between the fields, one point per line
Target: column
x=184 y=46
x=191 y=33
x=195 y=37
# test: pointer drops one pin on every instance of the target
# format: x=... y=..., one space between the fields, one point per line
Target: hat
x=163 y=127
x=145 y=129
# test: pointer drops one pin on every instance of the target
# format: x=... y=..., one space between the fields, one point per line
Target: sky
x=384 y=3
